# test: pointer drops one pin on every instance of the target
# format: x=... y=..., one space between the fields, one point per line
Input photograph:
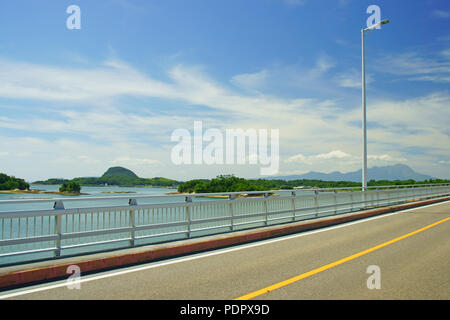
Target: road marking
x=334 y=264
x=62 y=283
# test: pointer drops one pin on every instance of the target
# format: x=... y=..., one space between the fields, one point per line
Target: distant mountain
x=119 y=172
x=395 y=172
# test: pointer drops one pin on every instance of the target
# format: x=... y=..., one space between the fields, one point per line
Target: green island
x=12 y=183
x=119 y=176
x=115 y=176
x=231 y=183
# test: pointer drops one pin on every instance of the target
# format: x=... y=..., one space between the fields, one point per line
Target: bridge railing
x=66 y=231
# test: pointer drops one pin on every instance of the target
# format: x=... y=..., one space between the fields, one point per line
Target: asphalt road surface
x=340 y=262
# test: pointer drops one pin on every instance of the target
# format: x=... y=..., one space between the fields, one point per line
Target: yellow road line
x=333 y=264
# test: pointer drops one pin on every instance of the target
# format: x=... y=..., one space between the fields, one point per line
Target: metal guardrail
x=68 y=231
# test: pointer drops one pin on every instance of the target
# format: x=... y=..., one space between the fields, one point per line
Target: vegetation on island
x=70 y=187
x=12 y=183
x=116 y=176
x=231 y=183
x=222 y=183
x=119 y=176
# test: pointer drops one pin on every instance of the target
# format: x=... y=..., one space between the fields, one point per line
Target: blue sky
x=75 y=102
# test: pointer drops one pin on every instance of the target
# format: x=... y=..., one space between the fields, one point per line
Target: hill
x=395 y=172
x=119 y=172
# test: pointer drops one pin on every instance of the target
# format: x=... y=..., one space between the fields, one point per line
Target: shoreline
x=243 y=195
x=35 y=191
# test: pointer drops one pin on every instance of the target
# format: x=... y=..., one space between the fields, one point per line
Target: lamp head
x=377 y=25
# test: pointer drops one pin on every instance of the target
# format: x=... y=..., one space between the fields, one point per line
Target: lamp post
x=364 y=169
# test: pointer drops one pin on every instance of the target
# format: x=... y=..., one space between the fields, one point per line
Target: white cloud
x=417 y=67
x=352 y=79
x=441 y=14
x=134 y=161
x=386 y=157
x=295 y=2
x=335 y=154
x=250 y=81
x=111 y=132
x=332 y=155
x=324 y=63
x=297 y=158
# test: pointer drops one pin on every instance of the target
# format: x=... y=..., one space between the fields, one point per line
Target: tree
x=71 y=186
x=12 y=183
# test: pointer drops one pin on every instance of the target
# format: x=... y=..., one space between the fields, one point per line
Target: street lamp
x=364 y=169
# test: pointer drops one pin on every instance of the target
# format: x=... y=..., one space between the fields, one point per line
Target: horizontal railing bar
x=79 y=245
x=181 y=195
x=92 y=233
x=160 y=225
x=356 y=200
x=10 y=242
x=184 y=223
x=16 y=214
x=159 y=235
x=27 y=252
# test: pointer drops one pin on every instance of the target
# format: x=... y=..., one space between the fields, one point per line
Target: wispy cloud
x=441 y=14
x=352 y=79
x=250 y=81
x=111 y=133
x=417 y=67
x=294 y=2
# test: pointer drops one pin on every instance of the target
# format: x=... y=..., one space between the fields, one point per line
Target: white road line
x=63 y=283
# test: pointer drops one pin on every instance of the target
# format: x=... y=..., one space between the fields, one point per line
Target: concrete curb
x=46 y=273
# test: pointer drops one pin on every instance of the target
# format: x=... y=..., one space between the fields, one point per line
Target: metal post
x=364 y=168
x=188 y=200
x=351 y=200
x=232 y=197
x=335 y=201
x=266 y=195
x=293 y=204
x=132 y=223
x=58 y=205
x=316 y=202
x=378 y=197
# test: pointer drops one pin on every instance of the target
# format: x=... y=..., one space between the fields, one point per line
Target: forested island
x=115 y=176
x=231 y=183
x=12 y=183
x=119 y=176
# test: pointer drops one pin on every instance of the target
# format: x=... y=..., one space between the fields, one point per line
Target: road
x=329 y=263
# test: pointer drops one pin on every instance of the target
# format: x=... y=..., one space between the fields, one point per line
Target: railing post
x=188 y=200
x=58 y=205
x=132 y=222
x=351 y=200
x=316 y=202
x=378 y=197
x=335 y=201
x=231 y=198
x=294 y=194
x=266 y=195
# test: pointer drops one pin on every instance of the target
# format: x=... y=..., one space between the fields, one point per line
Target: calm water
x=110 y=191
x=95 y=192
